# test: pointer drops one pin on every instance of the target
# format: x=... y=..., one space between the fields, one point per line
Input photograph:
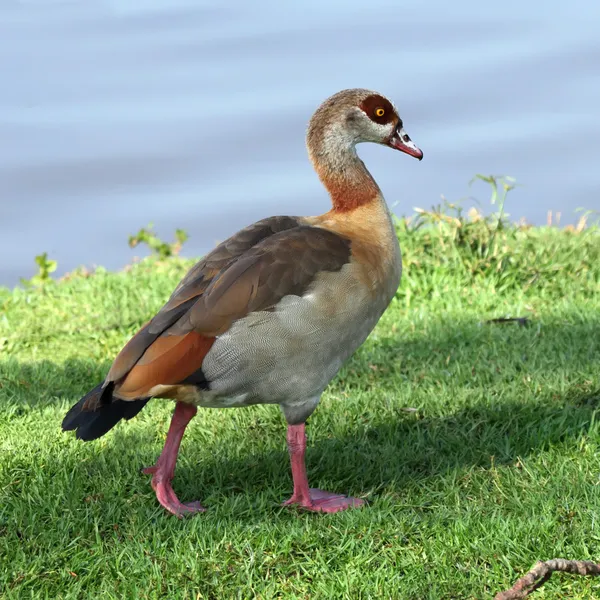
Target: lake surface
x=192 y=114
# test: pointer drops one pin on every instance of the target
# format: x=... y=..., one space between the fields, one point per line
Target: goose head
x=354 y=116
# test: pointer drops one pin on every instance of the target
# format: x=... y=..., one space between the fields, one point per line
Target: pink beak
x=401 y=141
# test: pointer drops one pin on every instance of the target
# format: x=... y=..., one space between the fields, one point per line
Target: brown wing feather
x=191 y=288
x=199 y=276
x=169 y=360
x=219 y=290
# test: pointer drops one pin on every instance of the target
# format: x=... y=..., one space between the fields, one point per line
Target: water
x=192 y=114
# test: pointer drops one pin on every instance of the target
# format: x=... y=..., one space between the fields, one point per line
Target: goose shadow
x=387 y=449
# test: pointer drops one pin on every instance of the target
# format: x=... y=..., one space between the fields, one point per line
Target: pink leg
x=303 y=496
x=162 y=472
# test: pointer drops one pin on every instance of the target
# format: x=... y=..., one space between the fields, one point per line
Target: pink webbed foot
x=303 y=496
x=327 y=502
x=167 y=497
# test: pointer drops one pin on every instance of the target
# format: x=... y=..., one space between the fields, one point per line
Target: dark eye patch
x=373 y=105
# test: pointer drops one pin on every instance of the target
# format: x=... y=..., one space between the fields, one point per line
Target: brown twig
x=542 y=571
x=522 y=321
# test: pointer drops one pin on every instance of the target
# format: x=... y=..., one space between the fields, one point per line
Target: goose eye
x=379 y=112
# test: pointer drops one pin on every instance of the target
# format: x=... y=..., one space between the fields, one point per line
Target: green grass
x=477 y=445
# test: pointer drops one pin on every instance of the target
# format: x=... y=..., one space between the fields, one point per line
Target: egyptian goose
x=272 y=313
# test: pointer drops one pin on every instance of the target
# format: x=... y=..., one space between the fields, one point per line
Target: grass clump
x=476 y=444
x=158 y=247
x=45 y=267
x=507 y=255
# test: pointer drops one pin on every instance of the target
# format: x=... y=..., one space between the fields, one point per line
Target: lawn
x=476 y=444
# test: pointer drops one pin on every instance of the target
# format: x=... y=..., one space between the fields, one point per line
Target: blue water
x=192 y=114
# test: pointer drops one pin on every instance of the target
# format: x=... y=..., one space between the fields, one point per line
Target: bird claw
x=166 y=495
x=322 y=501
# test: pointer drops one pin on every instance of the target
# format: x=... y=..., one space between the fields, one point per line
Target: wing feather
x=252 y=271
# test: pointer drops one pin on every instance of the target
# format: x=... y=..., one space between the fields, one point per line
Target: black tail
x=98 y=412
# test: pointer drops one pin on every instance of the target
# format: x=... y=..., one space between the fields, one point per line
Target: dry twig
x=521 y=321
x=542 y=571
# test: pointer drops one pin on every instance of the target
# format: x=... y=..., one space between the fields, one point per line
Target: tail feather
x=98 y=412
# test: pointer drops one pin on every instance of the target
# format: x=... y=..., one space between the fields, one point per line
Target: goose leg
x=162 y=472
x=305 y=497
